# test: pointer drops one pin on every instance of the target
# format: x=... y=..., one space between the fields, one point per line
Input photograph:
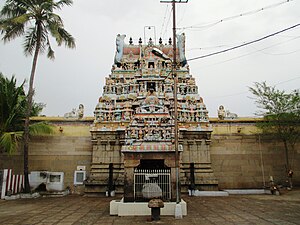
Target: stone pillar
x=106 y=150
x=130 y=162
x=197 y=150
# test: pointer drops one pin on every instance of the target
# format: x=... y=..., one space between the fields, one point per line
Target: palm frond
x=12 y=104
x=37 y=108
x=30 y=41
x=11 y=31
x=10 y=141
x=52 y=25
x=50 y=53
x=67 y=38
x=44 y=38
x=62 y=3
x=40 y=128
x=22 y=19
x=12 y=9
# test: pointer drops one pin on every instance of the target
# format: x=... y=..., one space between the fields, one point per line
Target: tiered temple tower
x=133 y=131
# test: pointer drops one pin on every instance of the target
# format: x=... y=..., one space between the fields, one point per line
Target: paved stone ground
x=79 y=210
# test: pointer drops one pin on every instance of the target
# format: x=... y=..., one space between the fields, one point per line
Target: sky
x=77 y=76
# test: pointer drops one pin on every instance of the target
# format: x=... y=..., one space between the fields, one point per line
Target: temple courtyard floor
x=80 y=210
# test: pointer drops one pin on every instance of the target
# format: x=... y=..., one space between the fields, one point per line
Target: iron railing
x=158 y=177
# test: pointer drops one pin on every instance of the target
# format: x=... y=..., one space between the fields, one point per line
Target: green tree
x=12 y=113
x=281 y=112
x=36 y=21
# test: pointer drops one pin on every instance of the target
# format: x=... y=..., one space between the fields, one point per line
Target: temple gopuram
x=133 y=131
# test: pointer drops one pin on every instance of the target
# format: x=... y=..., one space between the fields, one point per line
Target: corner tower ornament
x=119 y=48
x=133 y=131
x=181 y=48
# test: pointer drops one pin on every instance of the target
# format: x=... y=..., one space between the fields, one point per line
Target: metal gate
x=160 y=177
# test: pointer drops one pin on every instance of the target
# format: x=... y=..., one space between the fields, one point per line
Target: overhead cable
x=167 y=24
x=244 y=44
x=245 y=92
x=165 y=17
x=257 y=50
x=213 y=23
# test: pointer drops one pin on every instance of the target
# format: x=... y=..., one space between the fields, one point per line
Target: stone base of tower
x=98 y=182
x=108 y=162
x=107 y=168
x=204 y=178
x=196 y=170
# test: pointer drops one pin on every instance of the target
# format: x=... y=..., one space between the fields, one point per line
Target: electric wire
x=257 y=50
x=167 y=24
x=282 y=82
x=205 y=48
x=245 y=92
x=213 y=23
x=183 y=14
x=229 y=45
x=164 y=20
x=244 y=44
x=277 y=54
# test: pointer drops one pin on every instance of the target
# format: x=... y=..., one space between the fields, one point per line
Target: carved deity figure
x=75 y=114
x=221 y=112
x=127 y=115
x=140 y=134
x=80 y=111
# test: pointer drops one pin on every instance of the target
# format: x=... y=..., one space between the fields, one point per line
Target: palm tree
x=36 y=21
x=12 y=112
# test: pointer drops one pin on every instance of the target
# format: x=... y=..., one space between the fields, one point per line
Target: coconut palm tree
x=36 y=21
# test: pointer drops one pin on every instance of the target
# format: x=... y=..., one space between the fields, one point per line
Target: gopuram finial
x=150 y=42
x=160 y=41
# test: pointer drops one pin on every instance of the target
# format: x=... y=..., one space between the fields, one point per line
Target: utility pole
x=178 y=211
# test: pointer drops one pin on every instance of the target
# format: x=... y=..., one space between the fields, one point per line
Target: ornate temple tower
x=133 y=132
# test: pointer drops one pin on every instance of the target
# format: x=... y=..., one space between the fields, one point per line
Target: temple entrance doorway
x=152 y=176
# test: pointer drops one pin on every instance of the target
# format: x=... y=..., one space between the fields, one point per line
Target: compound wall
x=240 y=157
